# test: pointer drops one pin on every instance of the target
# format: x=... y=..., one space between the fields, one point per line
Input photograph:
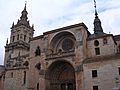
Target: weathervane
x=95 y=9
x=95 y=4
x=25 y=2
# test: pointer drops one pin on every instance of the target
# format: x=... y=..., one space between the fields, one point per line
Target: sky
x=47 y=15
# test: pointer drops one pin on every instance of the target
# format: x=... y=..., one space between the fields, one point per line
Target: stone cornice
x=65 y=28
x=16 y=68
x=60 y=55
x=37 y=37
x=19 y=44
x=23 y=56
x=102 y=58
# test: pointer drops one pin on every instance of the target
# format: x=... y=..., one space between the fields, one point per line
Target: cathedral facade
x=67 y=58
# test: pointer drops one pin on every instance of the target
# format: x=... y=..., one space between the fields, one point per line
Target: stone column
x=79 y=78
x=42 y=80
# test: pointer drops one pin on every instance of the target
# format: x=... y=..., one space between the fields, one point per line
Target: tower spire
x=96 y=14
x=25 y=5
x=97 y=23
x=24 y=14
x=7 y=41
x=23 y=19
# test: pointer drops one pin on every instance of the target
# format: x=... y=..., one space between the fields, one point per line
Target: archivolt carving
x=62 y=42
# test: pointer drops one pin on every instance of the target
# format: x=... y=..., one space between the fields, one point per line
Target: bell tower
x=17 y=50
x=22 y=31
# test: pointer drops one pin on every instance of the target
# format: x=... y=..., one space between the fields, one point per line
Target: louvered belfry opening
x=60 y=76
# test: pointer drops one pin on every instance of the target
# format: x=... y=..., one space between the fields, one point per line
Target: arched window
x=24 y=78
x=67 y=44
x=97 y=51
x=26 y=63
x=24 y=37
x=18 y=37
x=38 y=66
x=38 y=51
x=13 y=39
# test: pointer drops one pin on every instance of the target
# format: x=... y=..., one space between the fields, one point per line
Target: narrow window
x=119 y=70
x=94 y=73
x=11 y=74
x=29 y=39
x=95 y=87
x=18 y=37
x=97 y=51
x=21 y=36
x=24 y=79
x=37 y=86
x=24 y=37
x=13 y=38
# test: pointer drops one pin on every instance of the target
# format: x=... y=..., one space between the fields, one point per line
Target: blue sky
x=51 y=14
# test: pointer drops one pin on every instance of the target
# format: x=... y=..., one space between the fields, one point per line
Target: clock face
x=67 y=44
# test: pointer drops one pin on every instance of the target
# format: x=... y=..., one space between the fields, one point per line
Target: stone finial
x=32 y=26
x=7 y=41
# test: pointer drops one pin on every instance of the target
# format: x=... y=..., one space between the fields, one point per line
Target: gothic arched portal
x=60 y=76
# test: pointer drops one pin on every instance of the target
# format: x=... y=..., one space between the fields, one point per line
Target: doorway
x=61 y=76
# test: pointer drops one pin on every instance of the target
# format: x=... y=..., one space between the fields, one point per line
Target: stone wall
x=14 y=79
x=105 y=49
x=107 y=72
x=2 y=72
